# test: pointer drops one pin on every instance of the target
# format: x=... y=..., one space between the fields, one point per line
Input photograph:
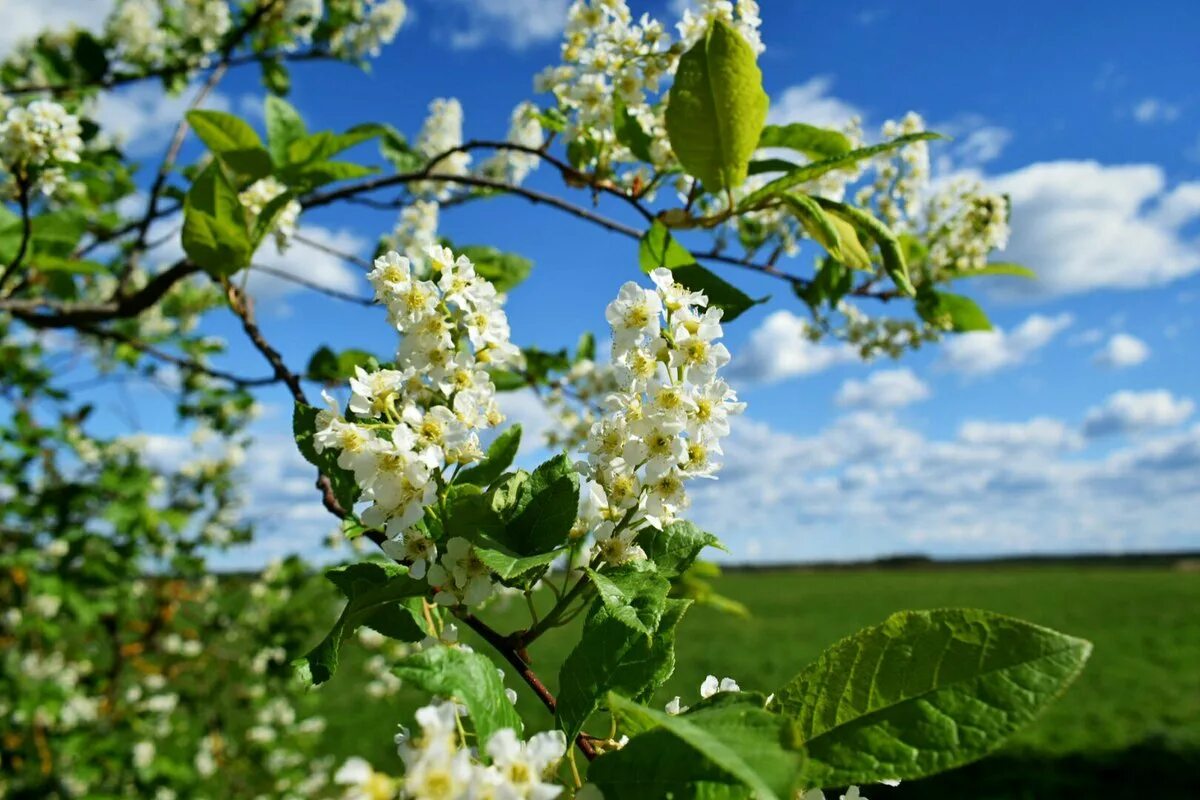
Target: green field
x=1130 y=727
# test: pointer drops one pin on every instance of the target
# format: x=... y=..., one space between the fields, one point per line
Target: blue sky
x=1072 y=427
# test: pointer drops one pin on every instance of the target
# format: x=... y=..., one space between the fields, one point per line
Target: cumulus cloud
x=1040 y=433
x=1122 y=350
x=1083 y=225
x=983 y=352
x=779 y=349
x=1135 y=412
x=810 y=102
x=883 y=389
x=25 y=20
x=314 y=265
x=513 y=23
x=866 y=485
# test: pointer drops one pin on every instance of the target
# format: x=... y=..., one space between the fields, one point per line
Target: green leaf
x=284 y=126
x=500 y=455
x=275 y=76
x=998 y=268
x=468 y=677
x=816 y=143
x=585 y=348
x=538 y=512
x=629 y=131
x=612 y=655
x=728 y=749
x=890 y=248
x=760 y=166
x=923 y=692
x=57 y=233
x=90 y=56
x=232 y=140
x=809 y=172
x=952 y=312
x=833 y=233
x=675 y=547
x=504 y=270
x=215 y=233
x=304 y=423
x=634 y=594
x=320 y=146
x=658 y=248
x=374 y=591
x=264 y=223
x=329 y=367
x=515 y=569
x=716 y=108
x=310 y=176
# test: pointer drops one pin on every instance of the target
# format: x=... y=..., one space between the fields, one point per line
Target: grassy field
x=1130 y=727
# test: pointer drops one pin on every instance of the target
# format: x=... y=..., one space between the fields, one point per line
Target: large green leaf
x=716 y=108
x=816 y=143
x=232 y=140
x=830 y=231
x=471 y=679
x=728 y=749
x=374 y=593
x=923 y=692
x=634 y=593
x=538 y=512
x=500 y=455
x=215 y=231
x=809 y=172
x=613 y=655
x=284 y=126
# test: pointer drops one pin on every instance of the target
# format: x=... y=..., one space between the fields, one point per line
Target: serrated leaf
x=223 y=132
x=833 y=233
x=543 y=511
x=730 y=749
x=634 y=594
x=716 y=108
x=373 y=591
x=629 y=131
x=215 y=234
x=923 y=692
x=500 y=455
x=997 y=268
x=675 y=547
x=471 y=679
x=511 y=568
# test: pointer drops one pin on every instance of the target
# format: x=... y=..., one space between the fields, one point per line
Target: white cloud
x=1040 y=433
x=1134 y=412
x=982 y=352
x=865 y=486
x=1122 y=350
x=25 y=19
x=779 y=349
x=1083 y=225
x=1151 y=110
x=883 y=389
x=974 y=142
x=142 y=117
x=514 y=23
x=810 y=102
x=313 y=265
x=525 y=408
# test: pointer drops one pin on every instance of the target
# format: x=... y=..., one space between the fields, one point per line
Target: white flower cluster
x=441 y=133
x=575 y=403
x=606 y=54
x=146 y=33
x=437 y=764
x=301 y=18
x=898 y=189
x=965 y=223
x=376 y=23
x=709 y=688
x=742 y=16
x=410 y=422
x=513 y=166
x=35 y=140
x=204 y=22
x=415 y=232
x=259 y=194
x=136 y=30
x=665 y=421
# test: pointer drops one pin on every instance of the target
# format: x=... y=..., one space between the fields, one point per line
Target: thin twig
x=26 y=232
